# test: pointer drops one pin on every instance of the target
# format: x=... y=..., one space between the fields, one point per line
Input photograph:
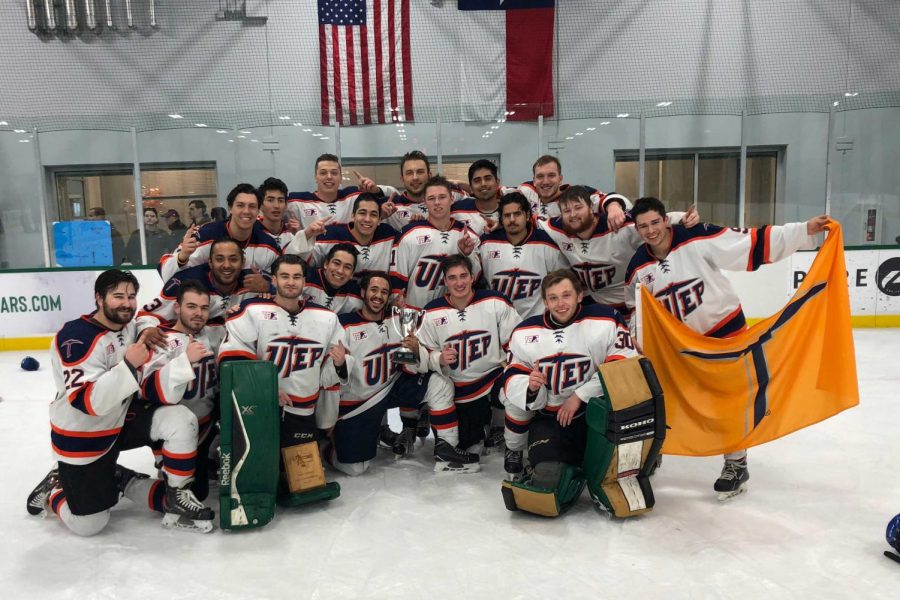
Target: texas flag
x=529 y=54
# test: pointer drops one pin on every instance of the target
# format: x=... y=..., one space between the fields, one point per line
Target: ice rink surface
x=811 y=526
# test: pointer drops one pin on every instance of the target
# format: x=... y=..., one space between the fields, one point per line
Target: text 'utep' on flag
x=787 y=372
x=365 y=68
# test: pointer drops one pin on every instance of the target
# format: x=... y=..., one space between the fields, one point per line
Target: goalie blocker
x=626 y=429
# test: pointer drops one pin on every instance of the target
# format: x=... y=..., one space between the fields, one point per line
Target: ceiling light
x=243 y=137
x=495 y=127
x=591 y=128
x=622 y=115
x=25 y=141
x=579 y=133
x=176 y=116
x=851 y=94
x=835 y=103
x=323 y=138
x=242 y=131
x=307 y=130
x=3 y=123
x=18 y=131
x=570 y=138
x=257 y=141
x=667 y=103
x=231 y=140
x=401 y=131
x=317 y=135
x=298 y=124
x=605 y=123
x=200 y=125
x=221 y=131
x=284 y=118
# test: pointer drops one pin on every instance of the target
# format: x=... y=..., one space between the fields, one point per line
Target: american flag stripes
x=364 y=60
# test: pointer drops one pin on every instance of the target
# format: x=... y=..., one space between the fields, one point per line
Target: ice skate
x=387 y=438
x=423 y=425
x=37 y=499
x=449 y=459
x=184 y=511
x=124 y=476
x=494 y=440
x=405 y=442
x=731 y=482
x=513 y=464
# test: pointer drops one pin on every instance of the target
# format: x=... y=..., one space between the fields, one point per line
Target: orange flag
x=786 y=372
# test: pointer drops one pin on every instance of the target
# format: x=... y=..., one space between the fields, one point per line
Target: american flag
x=364 y=61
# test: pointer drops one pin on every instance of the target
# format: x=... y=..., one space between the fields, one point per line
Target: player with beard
x=260 y=248
x=402 y=209
x=222 y=279
x=422 y=245
x=682 y=268
x=596 y=253
x=372 y=239
x=332 y=285
x=377 y=384
x=96 y=415
x=553 y=374
x=185 y=371
x=466 y=333
x=481 y=211
x=273 y=212
x=303 y=340
x=517 y=257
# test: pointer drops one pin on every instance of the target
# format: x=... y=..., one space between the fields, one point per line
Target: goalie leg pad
x=248 y=478
x=626 y=431
x=547 y=502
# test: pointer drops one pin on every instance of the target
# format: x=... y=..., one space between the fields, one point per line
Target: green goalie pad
x=521 y=495
x=626 y=429
x=329 y=491
x=250 y=421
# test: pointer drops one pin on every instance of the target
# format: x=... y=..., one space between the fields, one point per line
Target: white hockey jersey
x=169 y=378
x=516 y=271
x=418 y=252
x=479 y=333
x=374 y=256
x=340 y=300
x=260 y=249
x=94 y=386
x=568 y=356
x=372 y=343
x=307 y=207
x=550 y=210
x=283 y=235
x=297 y=344
x=408 y=208
x=689 y=282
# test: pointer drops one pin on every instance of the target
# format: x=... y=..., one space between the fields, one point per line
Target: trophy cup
x=406 y=322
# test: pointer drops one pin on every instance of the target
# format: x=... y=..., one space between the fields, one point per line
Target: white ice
x=811 y=526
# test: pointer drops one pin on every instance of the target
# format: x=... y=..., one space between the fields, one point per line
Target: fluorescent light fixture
x=579 y=133
x=246 y=132
x=242 y=137
x=835 y=103
x=175 y=116
x=591 y=128
x=605 y=123
x=323 y=138
x=851 y=94
x=221 y=131
x=666 y=103
x=495 y=127
x=200 y=125
x=2 y=123
x=232 y=141
x=570 y=138
x=24 y=141
x=401 y=131
x=298 y=124
x=284 y=118
x=307 y=130
x=623 y=115
x=18 y=131
x=257 y=141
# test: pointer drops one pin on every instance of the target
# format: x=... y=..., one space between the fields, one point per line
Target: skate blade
x=723 y=496
x=172 y=521
x=442 y=467
x=892 y=556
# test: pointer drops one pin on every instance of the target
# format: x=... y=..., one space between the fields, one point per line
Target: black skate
x=423 y=426
x=37 y=499
x=451 y=459
x=124 y=475
x=731 y=482
x=387 y=438
x=513 y=464
x=405 y=442
x=494 y=440
x=184 y=511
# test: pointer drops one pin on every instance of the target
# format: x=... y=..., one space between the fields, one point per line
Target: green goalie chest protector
x=248 y=463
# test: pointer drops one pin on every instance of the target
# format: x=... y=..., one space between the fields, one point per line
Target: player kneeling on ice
x=97 y=414
x=391 y=370
x=575 y=433
x=305 y=343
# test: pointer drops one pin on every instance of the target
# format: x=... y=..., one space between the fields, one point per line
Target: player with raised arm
x=553 y=374
x=185 y=371
x=466 y=333
x=516 y=257
x=260 y=248
x=683 y=269
x=96 y=415
x=377 y=383
x=422 y=245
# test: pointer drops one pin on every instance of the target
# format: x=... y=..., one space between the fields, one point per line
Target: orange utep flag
x=786 y=372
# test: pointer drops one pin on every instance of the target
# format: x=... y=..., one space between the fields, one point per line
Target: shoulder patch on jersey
x=76 y=339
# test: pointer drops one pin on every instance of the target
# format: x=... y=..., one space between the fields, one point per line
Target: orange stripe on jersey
x=178 y=472
x=516 y=421
x=85 y=434
x=753 y=233
x=724 y=322
x=85 y=454
x=177 y=456
x=236 y=354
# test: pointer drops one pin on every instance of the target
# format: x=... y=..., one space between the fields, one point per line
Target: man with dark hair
x=517 y=256
x=682 y=268
x=553 y=374
x=175 y=224
x=332 y=285
x=222 y=279
x=481 y=211
x=185 y=371
x=98 y=213
x=598 y=255
x=402 y=208
x=157 y=240
x=260 y=248
x=95 y=362
x=422 y=245
x=377 y=383
x=273 y=211
x=197 y=213
x=466 y=333
x=303 y=340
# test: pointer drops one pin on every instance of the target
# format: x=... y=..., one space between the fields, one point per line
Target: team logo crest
x=310 y=212
x=359 y=335
x=67 y=347
x=494 y=254
x=111 y=349
x=423 y=239
x=440 y=321
x=532 y=339
x=268 y=315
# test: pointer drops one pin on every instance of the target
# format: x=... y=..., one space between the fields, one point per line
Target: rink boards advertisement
x=38 y=303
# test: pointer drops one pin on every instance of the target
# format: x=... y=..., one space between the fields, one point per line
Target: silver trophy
x=407 y=321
